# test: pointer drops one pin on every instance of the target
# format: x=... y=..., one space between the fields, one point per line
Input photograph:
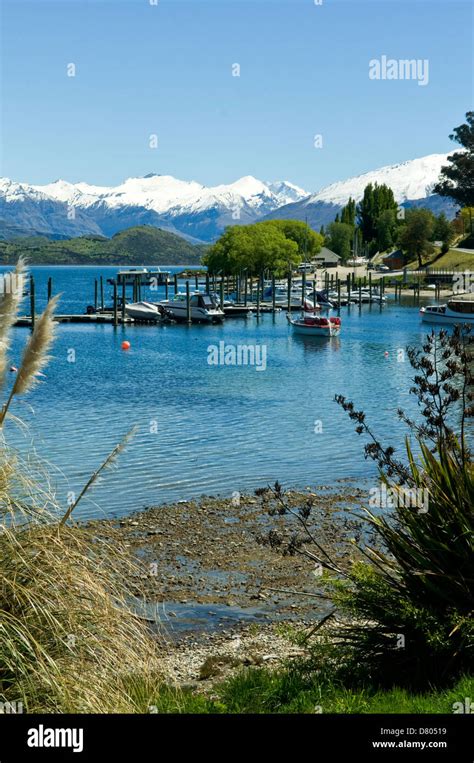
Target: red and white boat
x=315 y=325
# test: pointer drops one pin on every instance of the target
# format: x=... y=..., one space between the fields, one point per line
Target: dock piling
x=222 y=292
x=32 y=301
x=115 y=304
x=188 y=304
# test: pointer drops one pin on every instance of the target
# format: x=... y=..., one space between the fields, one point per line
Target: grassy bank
x=452 y=260
x=292 y=690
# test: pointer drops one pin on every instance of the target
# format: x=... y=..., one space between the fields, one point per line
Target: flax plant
x=405 y=602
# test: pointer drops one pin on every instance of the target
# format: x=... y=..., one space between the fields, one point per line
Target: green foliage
x=135 y=246
x=457 y=177
x=275 y=246
x=443 y=231
x=411 y=604
x=376 y=200
x=325 y=686
x=466 y=220
x=340 y=239
x=386 y=227
x=410 y=600
x=316 y=685
x=309 y=242
x=348 y=212
x=416 y=234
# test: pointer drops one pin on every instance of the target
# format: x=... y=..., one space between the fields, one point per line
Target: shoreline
x=203 y=572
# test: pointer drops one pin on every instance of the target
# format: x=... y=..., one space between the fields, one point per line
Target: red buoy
x=126 y=345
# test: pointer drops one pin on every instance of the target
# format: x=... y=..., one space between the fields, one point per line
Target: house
x=395 y=260
x=327 y=259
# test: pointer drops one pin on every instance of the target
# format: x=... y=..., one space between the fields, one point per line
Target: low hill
x=134 y=246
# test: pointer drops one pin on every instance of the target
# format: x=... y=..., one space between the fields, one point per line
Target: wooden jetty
x=106 y=317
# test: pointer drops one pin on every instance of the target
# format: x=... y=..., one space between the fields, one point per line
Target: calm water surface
x=203 y=428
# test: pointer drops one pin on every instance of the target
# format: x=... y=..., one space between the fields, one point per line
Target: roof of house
x=396 y=254
x=327 y=254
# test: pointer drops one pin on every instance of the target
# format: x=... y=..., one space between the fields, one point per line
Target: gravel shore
x=203 y=572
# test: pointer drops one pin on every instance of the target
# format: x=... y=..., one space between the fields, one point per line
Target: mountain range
x=196 y=212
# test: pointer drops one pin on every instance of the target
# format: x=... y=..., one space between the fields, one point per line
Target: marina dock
x=240 y=294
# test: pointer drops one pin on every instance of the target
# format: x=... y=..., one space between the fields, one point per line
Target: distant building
x=326 y=258
x=395 y=260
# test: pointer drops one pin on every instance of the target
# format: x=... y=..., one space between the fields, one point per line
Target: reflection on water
x=317 y=343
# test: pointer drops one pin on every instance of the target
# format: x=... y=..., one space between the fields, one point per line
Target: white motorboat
x=203 y=307
x=143 y=311
x=314 y=325
x=281 y=297
x=455 y=311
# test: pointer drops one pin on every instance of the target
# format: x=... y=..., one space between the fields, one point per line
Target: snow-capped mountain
x=412 y=184
x=410 y=180
x=197 y=212
x=186 y=207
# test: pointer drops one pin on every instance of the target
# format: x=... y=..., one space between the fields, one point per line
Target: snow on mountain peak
x=287 y=192
x=197 y=210
x=413 y=179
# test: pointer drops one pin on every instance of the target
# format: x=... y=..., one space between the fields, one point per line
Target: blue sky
x=166 y=69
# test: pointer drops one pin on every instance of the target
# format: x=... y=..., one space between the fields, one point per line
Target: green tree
x=340 y=239
x=443 y=231
x=348 y=212
x=457 y=178
x=376 y=200
x=309 y=242
x=417 y=233
x=386 y=226
x=255 y=248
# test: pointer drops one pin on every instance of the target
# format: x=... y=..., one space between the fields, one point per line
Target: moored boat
x=311 y=324
x=143 y=311
x=456 y=311
x=203 y=307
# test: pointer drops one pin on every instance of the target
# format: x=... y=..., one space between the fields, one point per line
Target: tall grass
x=68 y=637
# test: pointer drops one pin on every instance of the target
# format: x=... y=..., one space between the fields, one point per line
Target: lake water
x=204 y=428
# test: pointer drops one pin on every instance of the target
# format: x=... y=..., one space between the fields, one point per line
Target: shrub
x=406 y=599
